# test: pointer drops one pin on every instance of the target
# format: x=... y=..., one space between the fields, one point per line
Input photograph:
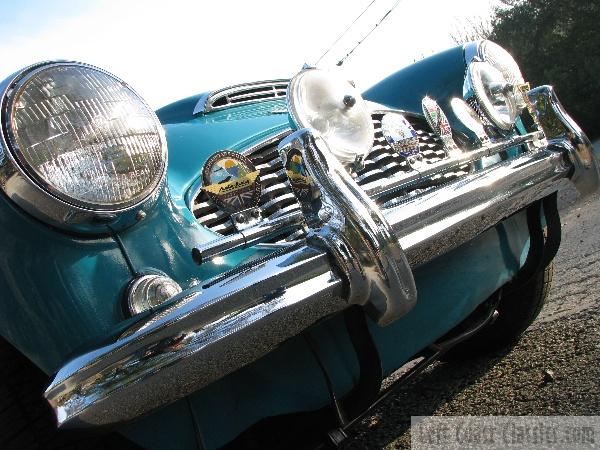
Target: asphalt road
x=553 y=370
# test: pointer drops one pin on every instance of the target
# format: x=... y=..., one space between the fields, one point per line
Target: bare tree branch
x=472 y=29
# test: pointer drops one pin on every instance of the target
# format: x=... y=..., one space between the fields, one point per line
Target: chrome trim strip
x=264 y=230
x=435 y=223
x=201 y=103
x=206 y=101
x=208 y=332
x=266 y=142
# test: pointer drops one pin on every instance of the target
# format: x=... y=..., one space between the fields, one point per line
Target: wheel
x=26 y=420
x=518 y=308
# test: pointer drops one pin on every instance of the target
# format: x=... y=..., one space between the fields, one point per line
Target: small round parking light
x=149 y=291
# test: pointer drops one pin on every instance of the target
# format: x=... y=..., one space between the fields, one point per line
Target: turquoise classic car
x=244 y=267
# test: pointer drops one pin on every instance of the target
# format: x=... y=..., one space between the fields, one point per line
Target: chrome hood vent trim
x=241 y=94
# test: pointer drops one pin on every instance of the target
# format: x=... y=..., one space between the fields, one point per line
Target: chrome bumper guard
x=354 y=253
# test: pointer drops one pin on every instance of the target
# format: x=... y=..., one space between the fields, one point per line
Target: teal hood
x=193 y=139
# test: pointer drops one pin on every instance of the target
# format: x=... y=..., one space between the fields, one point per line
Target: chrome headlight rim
x=31 y=192
x=480 y=92
x=501 y=59
x=496 y=56
x=297 y=121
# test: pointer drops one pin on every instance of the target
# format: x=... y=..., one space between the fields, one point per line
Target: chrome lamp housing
x=79 y=148
x=492 y=85
x=324 y=101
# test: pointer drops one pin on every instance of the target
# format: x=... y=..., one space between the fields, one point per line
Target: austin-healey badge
x=231 y=181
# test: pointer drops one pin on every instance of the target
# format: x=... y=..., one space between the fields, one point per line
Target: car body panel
x=70 y=287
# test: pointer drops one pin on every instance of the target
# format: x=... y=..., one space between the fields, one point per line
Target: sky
x=170 y=49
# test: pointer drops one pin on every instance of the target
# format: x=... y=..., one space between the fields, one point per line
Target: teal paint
x=58 y=291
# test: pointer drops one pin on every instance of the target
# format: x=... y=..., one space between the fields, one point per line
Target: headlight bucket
x=80 y=147
x=492 y=83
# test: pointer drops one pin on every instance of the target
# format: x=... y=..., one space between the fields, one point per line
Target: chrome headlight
x=493 y=79
x=80 y=140
x=494 y=94
x=331 y=105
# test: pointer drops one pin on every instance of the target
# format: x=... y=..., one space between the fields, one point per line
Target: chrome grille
x=276 y=198
x=383 y=162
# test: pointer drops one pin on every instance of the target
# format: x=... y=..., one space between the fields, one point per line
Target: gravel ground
x=553 y=370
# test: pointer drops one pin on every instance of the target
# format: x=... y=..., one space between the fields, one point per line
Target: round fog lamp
x=494 y=94
x=328 y=103
x=150 y=291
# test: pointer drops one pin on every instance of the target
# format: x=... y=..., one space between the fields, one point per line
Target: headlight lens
x=331 y=105
x=494 y=94
x=85 y=137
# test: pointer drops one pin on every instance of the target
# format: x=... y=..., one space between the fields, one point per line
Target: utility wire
x=341 y=61
x=344 y=33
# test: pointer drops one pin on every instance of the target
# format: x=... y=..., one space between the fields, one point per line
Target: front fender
x=440 y=76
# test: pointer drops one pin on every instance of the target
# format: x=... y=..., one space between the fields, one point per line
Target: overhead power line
x=341 y=61
x=344 y=32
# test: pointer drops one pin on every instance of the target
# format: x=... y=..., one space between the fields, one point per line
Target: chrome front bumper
x=354 y=253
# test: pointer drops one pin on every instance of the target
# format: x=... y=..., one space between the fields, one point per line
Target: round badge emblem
x=231 y=181
x=400 y=134
x=438 y=121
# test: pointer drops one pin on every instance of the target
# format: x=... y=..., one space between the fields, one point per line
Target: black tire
x=518 y=308
x=26 y=420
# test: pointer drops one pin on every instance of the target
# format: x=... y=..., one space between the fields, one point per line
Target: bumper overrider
x=354 y=253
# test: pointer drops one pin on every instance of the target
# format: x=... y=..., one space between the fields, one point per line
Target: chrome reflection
x=435 y=223
x=210 y=331
x=561 y=129
x=343 y=220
